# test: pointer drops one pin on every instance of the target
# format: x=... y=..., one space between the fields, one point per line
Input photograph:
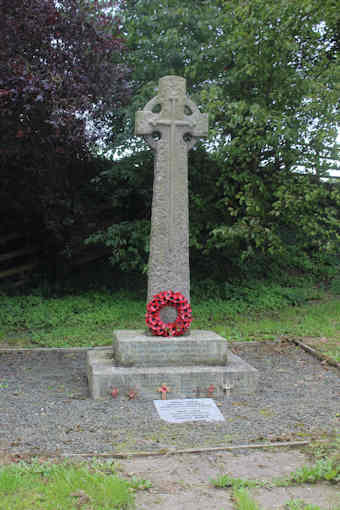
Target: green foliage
x=129 y=242
x=128 y=184
x=48 y=486
x=335 y=284
x=334 y=354
x=324 y=469
x=298 y=504
x=267 y=74
x=225 y=481
x=301 y=221
x=139 y=484
x=265 y=295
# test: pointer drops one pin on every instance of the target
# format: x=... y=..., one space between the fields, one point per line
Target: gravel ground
x=44 y=406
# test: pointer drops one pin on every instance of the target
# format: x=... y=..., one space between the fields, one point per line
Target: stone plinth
x=135 y=348
x=192 y=381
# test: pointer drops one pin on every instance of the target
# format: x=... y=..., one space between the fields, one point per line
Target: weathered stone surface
x=183 y=382
x=193 y=366
x=135 y=348
x=173 y=118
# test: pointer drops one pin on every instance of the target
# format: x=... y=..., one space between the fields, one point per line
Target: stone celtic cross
x=171 y=124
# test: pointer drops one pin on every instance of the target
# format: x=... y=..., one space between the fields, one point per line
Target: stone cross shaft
x=171 y=124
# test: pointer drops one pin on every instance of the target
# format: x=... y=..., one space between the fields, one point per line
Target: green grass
x=86 y=319
x=315 y=319
x=243 y=501
x=225 y=481
x=299 y=504
x=257 y=312
x=323 y=470
x=48 y=486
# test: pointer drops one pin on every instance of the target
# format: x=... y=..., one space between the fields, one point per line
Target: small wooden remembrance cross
x=163 y=390
x=171 y=124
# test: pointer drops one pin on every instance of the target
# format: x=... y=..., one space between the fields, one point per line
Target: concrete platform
x=105 y=373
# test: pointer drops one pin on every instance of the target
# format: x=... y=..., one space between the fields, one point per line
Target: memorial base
x=194 y=381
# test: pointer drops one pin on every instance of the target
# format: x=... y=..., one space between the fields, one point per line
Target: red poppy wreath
x=166 y=299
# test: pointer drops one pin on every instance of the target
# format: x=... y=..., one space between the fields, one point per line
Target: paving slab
x=201 y=468
x=190 y=499
x=184 y=481
x=323 y=495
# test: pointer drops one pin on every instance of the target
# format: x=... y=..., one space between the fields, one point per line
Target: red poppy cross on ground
x=163 y=390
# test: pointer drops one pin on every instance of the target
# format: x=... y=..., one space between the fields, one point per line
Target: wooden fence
x=18 y=258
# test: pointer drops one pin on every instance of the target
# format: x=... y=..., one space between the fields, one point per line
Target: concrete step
x=183 y=381
x=199 y=347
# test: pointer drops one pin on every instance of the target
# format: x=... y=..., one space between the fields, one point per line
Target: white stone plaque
x=189 y=409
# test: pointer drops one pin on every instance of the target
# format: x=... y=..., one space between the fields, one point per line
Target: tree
x=267 y=72
x=61 y=79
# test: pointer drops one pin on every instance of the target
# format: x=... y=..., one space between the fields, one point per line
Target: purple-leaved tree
x=60 y=67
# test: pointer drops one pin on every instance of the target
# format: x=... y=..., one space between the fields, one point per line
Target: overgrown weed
x=243 y=500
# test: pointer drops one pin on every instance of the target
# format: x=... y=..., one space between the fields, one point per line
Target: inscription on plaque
x=191 y=409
